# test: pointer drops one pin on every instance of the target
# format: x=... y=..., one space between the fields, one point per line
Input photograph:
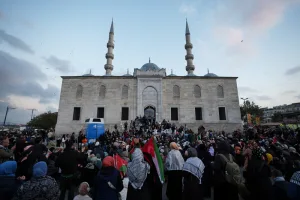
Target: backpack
x=232 y=171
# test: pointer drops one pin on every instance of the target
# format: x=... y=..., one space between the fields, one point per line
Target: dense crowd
x=257 y=163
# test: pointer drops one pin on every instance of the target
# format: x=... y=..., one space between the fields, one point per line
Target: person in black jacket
x=223 y=189
x=280 y=186
x=68 y=162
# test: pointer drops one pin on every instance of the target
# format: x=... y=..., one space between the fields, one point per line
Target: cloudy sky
x=43 y=40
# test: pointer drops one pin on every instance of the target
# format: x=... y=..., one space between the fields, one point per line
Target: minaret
x=189 y=56
x=110 y=55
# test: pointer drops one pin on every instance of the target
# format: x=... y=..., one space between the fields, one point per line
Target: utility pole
x=7 y=109
x=32 y=110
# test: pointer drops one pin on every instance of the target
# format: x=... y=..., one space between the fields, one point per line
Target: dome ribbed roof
x=150 y=67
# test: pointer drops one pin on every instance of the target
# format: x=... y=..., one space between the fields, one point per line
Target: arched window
x=79 y=91
x=102 y=91
x=220 y=91
x=125 y=92
x=176 y=91
x=197 y=91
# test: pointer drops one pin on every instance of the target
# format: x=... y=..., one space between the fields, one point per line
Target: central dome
x=150 y=67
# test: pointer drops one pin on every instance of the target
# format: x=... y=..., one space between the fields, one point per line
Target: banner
x=257 y=119
x=249 y=120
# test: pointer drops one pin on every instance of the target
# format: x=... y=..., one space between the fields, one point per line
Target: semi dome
x=150 y=67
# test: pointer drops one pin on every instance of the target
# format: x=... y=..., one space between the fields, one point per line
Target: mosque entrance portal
x=150 y=112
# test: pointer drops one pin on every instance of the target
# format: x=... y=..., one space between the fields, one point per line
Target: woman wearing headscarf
x=108 y=182
x=8 y=183
x=137 y=172
x=174 y=164
x=40 y=186
x=90 y=171
x=192 y=172
x=206 y=158
x=223 y=189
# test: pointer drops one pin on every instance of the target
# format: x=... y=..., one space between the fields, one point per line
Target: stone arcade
x=208 y=100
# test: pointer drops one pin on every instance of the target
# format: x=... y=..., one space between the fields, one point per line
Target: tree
x=45 y=121
x=251 y=108
x=277 y=117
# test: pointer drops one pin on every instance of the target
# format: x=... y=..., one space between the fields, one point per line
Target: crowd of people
x=257 y=163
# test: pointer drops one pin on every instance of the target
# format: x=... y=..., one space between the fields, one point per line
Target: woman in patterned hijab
x=137 y=172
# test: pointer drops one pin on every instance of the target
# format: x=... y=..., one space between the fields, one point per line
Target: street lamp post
x=7 y=109
x=245 y=99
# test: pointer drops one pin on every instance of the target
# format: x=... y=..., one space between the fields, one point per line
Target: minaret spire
x=187 y=30
x=110 y=55
x=149 y=60
x=189 y=56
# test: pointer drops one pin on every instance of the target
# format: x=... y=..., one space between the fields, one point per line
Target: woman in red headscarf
x=108 y=182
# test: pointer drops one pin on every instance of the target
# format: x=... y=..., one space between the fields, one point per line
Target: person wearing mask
x=192 y=173
x=174 y=164
x=5 y=153
x=8 y=182
x=67 y=162
x=137 y=172
x=83 y=191
x=108 y=182
x=40 y=186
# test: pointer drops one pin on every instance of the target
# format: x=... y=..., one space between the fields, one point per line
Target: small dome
x=128 y=74
x=172 y=73
x=191 y=74
x=87 y=75
x=210 y=75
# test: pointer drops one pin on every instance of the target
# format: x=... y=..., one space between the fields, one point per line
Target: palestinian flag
x=151 y=148
x=120 y=164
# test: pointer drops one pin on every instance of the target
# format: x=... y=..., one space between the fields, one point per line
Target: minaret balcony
x=190 y=67
x=109 y=55
x=188 y=46
x=110 y=44
x=189 y=56
x=108 y=66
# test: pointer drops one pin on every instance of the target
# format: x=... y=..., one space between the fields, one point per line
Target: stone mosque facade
x=209 y=100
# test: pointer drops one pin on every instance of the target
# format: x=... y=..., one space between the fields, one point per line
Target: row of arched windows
x=197 y=91
x=102 y=91
x=176 y=91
